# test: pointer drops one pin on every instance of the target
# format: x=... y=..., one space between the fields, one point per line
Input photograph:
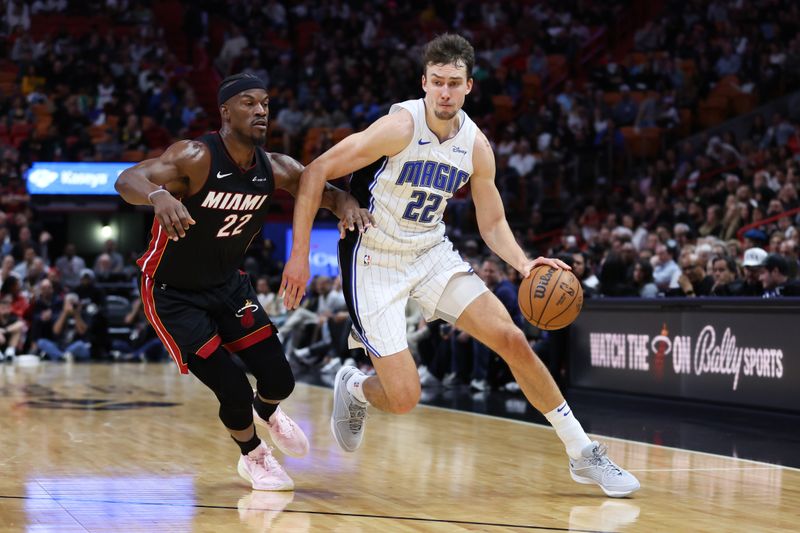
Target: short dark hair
x=776 y=262
x=730 y=263
x=447 y=49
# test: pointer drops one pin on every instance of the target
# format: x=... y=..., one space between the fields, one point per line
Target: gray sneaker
x=596 y=468
x=349 y=414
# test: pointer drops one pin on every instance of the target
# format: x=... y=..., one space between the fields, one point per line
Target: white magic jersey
x=409 y=191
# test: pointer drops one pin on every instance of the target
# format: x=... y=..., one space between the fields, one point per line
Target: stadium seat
x=117 y=308
x=712 y=111
x=503 y=107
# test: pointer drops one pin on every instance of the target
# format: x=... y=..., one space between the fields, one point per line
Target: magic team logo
x=707 y=353
x=245 y=313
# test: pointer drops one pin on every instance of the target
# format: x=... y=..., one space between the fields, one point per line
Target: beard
x=445 y=115
x=259 y=139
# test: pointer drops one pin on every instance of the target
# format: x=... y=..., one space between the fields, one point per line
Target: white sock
x=568 y=429
x=354 y=386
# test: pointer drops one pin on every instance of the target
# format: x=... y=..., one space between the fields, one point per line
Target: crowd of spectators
x=682 y=221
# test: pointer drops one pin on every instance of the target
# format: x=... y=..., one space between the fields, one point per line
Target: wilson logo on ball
x=541 y=286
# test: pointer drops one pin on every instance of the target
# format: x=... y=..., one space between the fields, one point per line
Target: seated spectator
x=45 y=308
x=12 y=287
x=70 y=267
x=753 y=265
x=774 y=278
x=643 y=279
x=664 y=267
x=12 y=328
x=581 y=267
x=614 y=280
x=116 y=260
x=790 y=250
x=69 y=337
x=269 y=300
x=626 y=110
x=726 y=280
x=693 y=281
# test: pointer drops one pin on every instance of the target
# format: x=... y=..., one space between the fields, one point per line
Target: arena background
x=648 y=144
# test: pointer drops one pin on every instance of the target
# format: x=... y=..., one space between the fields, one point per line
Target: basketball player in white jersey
x=405 y=167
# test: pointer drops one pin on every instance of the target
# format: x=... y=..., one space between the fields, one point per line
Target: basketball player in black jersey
x=210 y=197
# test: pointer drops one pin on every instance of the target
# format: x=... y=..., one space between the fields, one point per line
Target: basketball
x=550 y=298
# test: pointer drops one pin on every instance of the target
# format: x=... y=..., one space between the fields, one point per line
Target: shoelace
x=358 y=413
x=269 y=461
x=284 y=425
x=600 y=458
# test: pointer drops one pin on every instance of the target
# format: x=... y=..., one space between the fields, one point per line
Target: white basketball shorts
x=377 y=285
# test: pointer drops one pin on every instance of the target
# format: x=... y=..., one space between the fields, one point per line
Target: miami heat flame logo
x=661 y=345
x=245 y=313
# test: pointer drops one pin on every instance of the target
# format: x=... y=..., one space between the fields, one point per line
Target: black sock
x=250 y=445
x=264 y=409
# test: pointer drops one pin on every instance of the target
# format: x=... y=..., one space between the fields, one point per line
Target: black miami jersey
x=229 y=211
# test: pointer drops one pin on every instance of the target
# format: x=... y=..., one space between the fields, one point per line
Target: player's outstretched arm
x=154 y=181
x=341 y=203
x=387 y=136
x=491 y=215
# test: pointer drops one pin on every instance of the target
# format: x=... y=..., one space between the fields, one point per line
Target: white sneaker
x=285 y=433
x=479 y=385
x=512 y=386
x=349 y=414
x=594 y=467
x=331 y=366
x=263 y=471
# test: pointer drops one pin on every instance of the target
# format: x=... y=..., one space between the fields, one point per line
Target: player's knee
x=515 y=345
x=236 y=405
x=405 y=399
x=266 y=361
x=278 y=386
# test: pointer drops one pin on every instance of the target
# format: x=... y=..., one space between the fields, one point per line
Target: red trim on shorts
x=152 y=316
x=247 y=341
x=209 y=346
x=150 y=260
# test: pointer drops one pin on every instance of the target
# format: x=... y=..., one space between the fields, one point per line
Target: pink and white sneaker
x=285 y=433
x=263 y=471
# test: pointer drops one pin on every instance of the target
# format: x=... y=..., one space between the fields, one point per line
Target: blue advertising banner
x=74 y=178
x=323 y=257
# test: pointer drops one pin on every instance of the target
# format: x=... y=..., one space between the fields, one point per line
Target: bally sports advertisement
x=742 y=351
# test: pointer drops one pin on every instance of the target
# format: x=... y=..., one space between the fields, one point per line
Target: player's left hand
x=354 y=216
x=531 y=264
x=293 y=283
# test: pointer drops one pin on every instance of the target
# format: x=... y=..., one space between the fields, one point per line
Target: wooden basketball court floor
x=137 y=447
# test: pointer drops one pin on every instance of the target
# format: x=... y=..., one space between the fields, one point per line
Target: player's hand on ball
x=531 y=264
x=294 y=280
x=172 y=215
x=355 y=217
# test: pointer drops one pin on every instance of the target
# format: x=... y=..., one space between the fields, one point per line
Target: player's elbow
x=122 y=185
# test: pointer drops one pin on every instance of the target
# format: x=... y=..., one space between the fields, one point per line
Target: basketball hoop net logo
x=245 y=313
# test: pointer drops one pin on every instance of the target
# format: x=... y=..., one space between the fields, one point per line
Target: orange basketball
x=550 y=298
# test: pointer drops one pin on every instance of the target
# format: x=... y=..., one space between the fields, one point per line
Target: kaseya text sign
x=732 y=357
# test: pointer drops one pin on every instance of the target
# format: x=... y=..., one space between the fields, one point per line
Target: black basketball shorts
x=199 y=321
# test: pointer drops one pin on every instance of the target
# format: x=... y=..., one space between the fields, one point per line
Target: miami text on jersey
x=233 y=201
